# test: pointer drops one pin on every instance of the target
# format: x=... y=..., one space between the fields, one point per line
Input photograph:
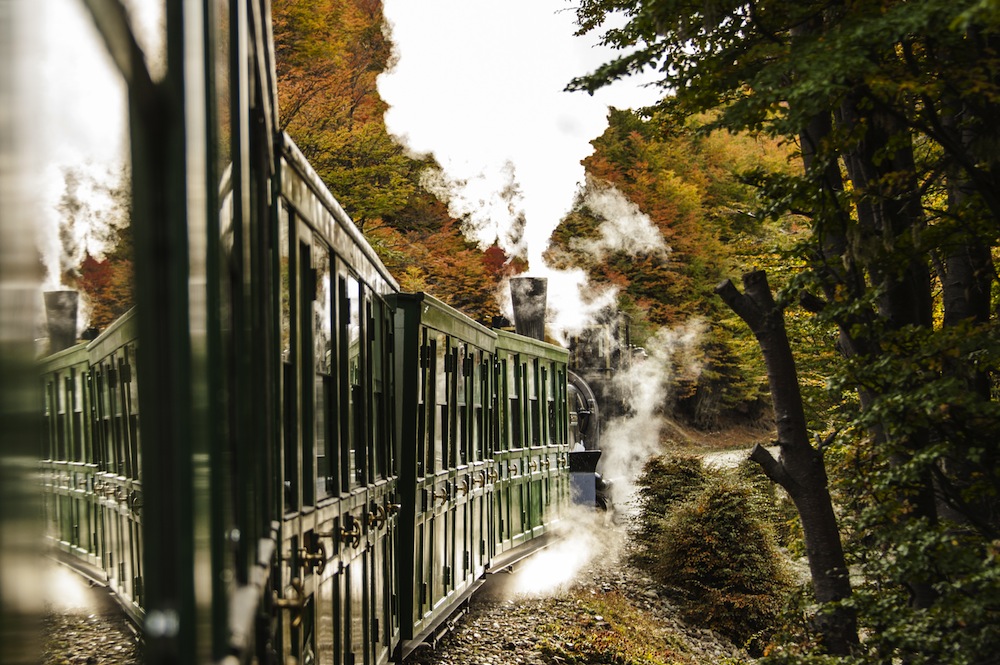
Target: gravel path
x=608 y=612
x=84 y=626
x=576 y=602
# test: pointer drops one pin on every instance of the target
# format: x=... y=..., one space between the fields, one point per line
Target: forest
x=827 y=177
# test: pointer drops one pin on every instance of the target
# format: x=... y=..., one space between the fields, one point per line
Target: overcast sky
x=481 y=86
x=478 y=84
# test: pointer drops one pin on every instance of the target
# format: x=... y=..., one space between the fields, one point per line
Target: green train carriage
x=256 y=493
x=482 y=427
x=338 y=459
x=531 y=452
x=447 y=405
x=92 y=467
x=69 y=464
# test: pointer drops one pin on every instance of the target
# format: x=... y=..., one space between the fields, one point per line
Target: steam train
x=278 y=456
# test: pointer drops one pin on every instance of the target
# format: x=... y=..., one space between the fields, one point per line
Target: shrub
x=721 y=563
x=665 y=482
x=772 y=505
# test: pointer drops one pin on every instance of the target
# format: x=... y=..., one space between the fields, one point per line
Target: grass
x=610 y=629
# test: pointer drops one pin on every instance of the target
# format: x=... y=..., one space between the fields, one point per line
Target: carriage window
x=223 y=117
x=58 y=412
x=463 y=376
x=502 y=416
x=305 y=316
x=134 y=410
x=356 y=449
x=534 y=403
x=288 y=379
x=127 y=424
x=95 y=430
x=323 y=361
x=382 y=415
x=425 y=401
x=50 y=416
x=514 y=390
x=285 y=300
x=478 y=374
x=441 y=402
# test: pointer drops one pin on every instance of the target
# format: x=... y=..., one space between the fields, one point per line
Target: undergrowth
x=708 y=538
x=610 y=629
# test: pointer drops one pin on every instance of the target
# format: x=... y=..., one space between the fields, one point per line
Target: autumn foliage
x=329 y=55
x=107 y=284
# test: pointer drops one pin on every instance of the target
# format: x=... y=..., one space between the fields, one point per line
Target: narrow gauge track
x=278 y=456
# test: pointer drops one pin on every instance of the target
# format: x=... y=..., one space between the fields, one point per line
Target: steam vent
x=527 y=295
x=60 y=312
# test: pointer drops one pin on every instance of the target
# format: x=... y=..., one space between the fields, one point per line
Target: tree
x=891 y=105
x=799 y=469
x=328 y=55
x=96 y=241
x=108 y=285
x=687 y=181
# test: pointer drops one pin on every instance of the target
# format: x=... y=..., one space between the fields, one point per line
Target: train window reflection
x=441 y=400
x=381 y=414
x=68 y=112
x=285 y=297
x=323 y=345
x=354 y=373
x=223 y=117
x=424 y=402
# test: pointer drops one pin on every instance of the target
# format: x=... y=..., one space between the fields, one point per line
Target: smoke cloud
x=480 y=86
x=490 y=206
x=627 y=442
x=584 y=534
x=625 y=228
x=89 y=214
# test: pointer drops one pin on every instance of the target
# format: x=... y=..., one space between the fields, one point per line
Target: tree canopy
x=891 y=106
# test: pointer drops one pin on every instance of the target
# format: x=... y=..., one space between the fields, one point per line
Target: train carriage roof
x=443 y=317
x=324 y=213
x=513 y=342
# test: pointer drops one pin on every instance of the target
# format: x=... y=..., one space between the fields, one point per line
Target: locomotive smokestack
x=527 y=295
x=60 y=312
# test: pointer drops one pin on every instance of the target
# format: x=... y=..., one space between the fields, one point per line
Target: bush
x=721 y=563
x=664 y=483
x=772 y=505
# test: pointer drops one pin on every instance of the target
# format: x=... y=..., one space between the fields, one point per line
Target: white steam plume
x=583 y=535
x=489 y=215
x=88 y=213
x=480 y=86
x=627 y=442
x=572 y=303
x=625 y=228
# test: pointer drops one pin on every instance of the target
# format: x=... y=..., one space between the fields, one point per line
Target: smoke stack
x=527 y=295
x=60 y=311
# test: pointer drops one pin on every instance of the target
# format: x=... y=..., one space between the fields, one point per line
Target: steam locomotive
x=278 y=456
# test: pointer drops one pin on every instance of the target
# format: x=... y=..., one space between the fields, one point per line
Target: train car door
x=300 y=552
x=382 y=503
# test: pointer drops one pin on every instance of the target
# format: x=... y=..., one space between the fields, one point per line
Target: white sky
x=480 y=85
x=76 y=106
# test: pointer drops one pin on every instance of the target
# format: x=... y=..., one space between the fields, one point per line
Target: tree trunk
x=799 y=468
x=881 y=169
